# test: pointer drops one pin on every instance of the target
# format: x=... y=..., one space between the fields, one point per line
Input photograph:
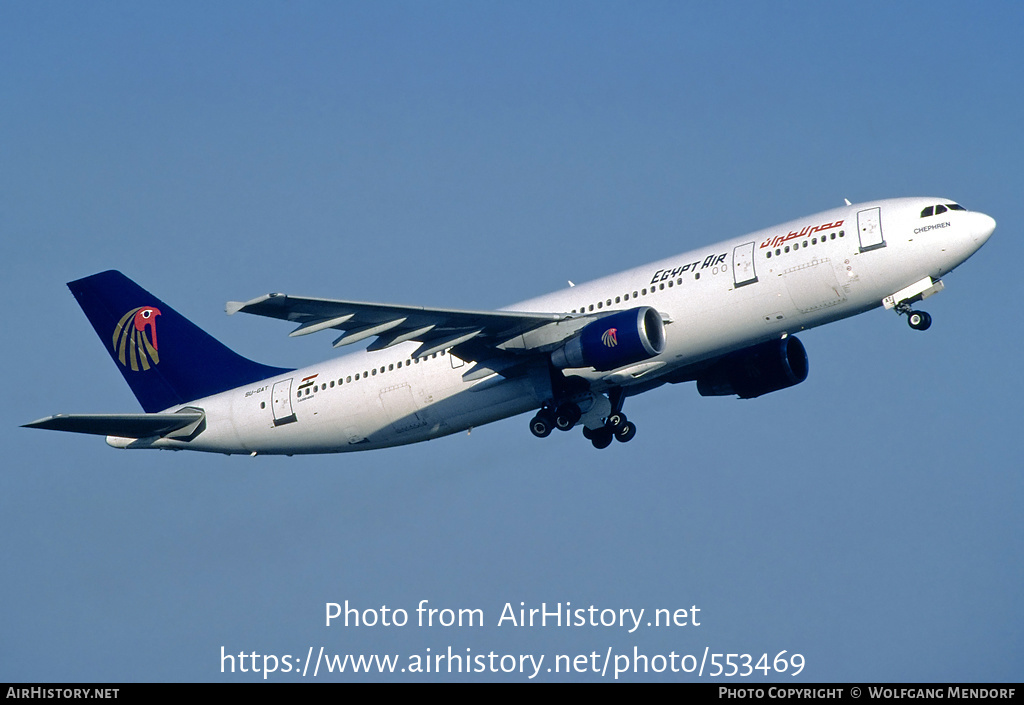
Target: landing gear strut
x=918 y=320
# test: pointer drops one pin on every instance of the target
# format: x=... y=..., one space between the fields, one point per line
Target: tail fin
x=165 y=358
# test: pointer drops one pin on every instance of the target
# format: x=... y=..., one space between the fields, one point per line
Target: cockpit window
x=935 y=210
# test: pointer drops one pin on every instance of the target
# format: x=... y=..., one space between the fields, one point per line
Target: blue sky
x=473 y=155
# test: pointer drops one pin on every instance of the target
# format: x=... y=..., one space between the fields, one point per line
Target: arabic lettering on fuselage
x=808 y=230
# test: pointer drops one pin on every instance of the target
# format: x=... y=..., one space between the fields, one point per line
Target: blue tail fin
x=165 y=358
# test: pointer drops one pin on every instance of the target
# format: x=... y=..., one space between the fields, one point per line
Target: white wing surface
x=434 y=328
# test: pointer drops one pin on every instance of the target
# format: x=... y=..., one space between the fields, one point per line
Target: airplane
x=723 y=316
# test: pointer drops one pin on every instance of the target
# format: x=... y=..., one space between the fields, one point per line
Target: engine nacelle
x=764 y=368
x=611 y=342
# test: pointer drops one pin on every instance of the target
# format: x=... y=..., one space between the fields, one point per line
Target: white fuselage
x=714 y=299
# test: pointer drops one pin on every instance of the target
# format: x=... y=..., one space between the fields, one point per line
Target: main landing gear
x=598 y=428
x=563 y=417
x=617 y=427
x=918 y=320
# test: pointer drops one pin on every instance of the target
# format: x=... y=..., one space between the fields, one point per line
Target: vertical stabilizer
x=165 y=358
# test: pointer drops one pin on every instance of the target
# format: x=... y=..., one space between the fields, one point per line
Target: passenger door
x=869 y=228
x=743 y=265
x=282 y=403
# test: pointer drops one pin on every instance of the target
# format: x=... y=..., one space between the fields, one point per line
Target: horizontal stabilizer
x=122 y=425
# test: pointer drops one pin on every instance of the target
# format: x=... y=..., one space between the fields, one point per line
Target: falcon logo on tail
x=131 y=345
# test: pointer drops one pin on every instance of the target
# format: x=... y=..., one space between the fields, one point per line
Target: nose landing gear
x=918 y=320
x=902 y=300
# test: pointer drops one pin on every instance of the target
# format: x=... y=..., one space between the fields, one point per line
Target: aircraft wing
x=122 y=425
x=435 y=329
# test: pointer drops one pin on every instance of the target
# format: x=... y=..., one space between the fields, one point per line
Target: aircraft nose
x=984 y=229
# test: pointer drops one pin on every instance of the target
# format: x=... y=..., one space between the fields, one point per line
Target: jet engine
x=751 y=372
x=611 y=342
